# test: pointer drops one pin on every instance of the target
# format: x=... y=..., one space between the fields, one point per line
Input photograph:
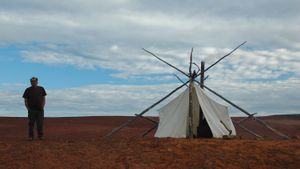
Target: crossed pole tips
x=192 y=75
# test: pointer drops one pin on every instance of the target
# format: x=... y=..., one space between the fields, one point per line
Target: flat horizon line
x=135 y=116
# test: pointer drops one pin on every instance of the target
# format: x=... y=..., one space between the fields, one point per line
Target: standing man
x=34 y=98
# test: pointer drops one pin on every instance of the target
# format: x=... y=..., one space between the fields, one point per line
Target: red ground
x=78 y=143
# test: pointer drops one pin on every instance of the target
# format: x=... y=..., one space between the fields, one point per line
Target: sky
x=88 y=54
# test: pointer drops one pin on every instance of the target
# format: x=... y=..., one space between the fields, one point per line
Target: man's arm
x=44 y=98
x=26 y=104
x=43 y=101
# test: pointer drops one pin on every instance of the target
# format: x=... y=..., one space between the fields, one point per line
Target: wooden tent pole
x=190 y=117
x=166 y=62
x=244 y=111
x=201 y=116
x=143 y=112
x=202 y=74
x=224 y=56
x=221 y=58
x=180 y=80
x=230 y=131
x=191 y=62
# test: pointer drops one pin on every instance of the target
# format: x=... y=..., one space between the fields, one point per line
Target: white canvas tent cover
x=173 y=117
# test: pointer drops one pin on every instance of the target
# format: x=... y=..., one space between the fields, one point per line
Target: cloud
x=51 y=57
x=90 y=100
x=10 y=99
x=134 y=23
x=109 y=35
x=243 y=64
x=259 y=65
x=94 y=100
x=279 y=97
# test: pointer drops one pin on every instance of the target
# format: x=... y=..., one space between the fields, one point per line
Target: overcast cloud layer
x=263 y=75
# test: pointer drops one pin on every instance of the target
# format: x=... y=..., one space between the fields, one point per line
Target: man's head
x=34 y=81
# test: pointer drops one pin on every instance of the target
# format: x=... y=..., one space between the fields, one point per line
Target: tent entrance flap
x=200 y=125
x=203 y=128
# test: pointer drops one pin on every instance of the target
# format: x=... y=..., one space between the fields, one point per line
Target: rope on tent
x=147 y=118
x=246 y=118
x=148 y=131
x=247 y=130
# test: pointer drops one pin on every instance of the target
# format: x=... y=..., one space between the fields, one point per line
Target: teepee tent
x=215 y=120
x=193 y=113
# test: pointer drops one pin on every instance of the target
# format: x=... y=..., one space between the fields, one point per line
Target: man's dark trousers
x=36 y=116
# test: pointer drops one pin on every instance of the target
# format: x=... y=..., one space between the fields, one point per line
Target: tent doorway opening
x=203 y=130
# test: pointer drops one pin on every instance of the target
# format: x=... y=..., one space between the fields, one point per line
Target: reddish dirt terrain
x=79 y=143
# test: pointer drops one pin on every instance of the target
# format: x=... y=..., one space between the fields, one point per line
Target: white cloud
x=255 y=64
x=90 y=100
x=133 y=22
x=264 y=98
x=51 y=57
x=97 y=34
